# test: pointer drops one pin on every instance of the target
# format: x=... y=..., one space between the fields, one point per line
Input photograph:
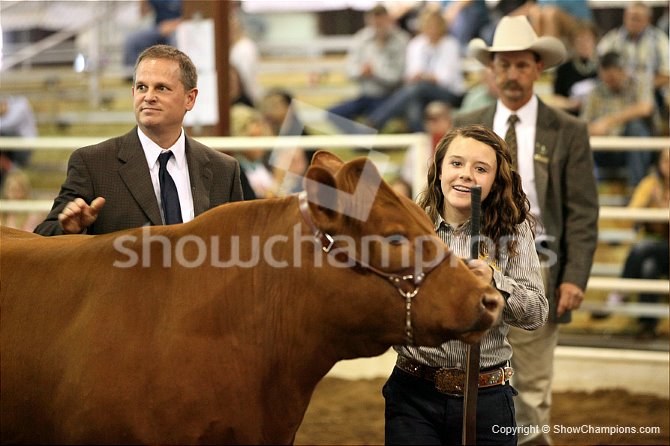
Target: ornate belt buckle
x=494 y=377
x=450 y=381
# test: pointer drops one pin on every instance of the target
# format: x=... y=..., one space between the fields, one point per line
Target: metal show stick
x=469 y=434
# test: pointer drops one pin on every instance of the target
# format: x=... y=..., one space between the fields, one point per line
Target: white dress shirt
x=177 y=168
x=525 y=138
x=386 y=58
x=442 y=60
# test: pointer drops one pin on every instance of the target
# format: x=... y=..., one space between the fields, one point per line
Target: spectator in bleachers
x=575 y=78
x=255 y=175
x=278 y=109
x=167 y=16
x=376 y=62
x=648 y=258
x=17 y=187
x=482 y=93
x=237 y=92
x=466 y=20
x=556 y=18
x=644 y=49
x=244 y=56
x=437 y=120
x=500 y=9
x=434 y=72
x=620 y=105
x=242 y=114
x=16 y=119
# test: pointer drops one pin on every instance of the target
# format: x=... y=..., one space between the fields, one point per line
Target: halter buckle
x=330 y=240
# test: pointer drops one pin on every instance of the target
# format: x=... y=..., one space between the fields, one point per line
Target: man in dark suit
x=555 y=162
x=118 y=184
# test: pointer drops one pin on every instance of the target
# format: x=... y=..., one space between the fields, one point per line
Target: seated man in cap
x=620 y=105
x=376 y=62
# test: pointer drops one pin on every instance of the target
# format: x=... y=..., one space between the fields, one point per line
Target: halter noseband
x=407 y=284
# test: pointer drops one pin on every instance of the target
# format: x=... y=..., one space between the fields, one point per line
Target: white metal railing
x=233 y=143
x=635 y=309
x=7 y=206
x=633 y=214
x=418 y=143
x=628 y=143
x=629 y=285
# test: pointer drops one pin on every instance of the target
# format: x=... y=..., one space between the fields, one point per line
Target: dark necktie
x=169 y=196
x=510 y=137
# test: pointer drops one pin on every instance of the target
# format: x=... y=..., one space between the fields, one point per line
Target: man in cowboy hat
x=554 y=159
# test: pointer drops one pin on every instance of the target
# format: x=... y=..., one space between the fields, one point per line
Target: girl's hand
x=481 y=269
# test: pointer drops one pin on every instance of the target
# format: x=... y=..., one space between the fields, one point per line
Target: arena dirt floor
x=352 y=412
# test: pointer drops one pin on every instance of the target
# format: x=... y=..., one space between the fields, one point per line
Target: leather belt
x=452 y=380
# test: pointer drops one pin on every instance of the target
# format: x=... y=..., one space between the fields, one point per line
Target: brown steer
x=218 y=330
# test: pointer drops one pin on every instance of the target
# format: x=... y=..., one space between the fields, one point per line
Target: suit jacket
x=567 y=194
x=117 y=170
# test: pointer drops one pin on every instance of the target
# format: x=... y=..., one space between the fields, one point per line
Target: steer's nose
x=492 y=301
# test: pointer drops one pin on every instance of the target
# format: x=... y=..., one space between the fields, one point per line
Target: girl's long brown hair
x=503 y=209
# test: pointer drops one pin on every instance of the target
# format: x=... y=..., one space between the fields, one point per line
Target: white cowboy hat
x=516 y=34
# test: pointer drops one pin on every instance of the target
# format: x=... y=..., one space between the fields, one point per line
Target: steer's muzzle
x=491 y=305
x=493 y=302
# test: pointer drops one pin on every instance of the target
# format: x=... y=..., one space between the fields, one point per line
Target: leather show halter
x=407 y=284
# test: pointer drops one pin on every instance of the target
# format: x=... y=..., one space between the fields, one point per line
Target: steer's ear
x=321 y=192
x=327 y=160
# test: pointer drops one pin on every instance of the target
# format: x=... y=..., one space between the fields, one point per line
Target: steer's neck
x=292 y=315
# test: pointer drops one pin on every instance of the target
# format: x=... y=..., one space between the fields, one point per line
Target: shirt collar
x=441 y=222
x=629 y=36
x=527 y=113
x=152 y=150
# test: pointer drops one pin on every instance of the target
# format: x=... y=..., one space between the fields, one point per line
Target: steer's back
x=65 y=310
x=40 y=280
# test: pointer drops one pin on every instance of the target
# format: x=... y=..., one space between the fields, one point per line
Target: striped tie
x=510 y=138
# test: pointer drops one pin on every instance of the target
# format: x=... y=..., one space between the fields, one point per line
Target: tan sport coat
x=117 y=170
x=567 y=194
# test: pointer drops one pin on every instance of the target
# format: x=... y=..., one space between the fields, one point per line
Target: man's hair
x=378 y=10
x=584 y=27
x=189 y=75
x=642 y=6
x=281 y=93
x=610 y=59
x=427 y=16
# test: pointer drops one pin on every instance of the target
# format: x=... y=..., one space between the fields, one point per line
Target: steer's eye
x=396 y=239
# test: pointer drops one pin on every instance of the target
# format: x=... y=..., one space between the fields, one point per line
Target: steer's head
x=393 y=244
